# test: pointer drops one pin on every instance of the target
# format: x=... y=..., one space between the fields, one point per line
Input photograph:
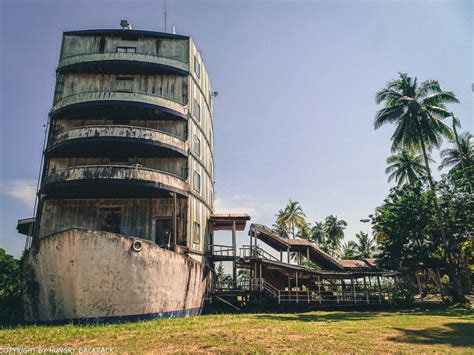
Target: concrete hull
x=87 y=275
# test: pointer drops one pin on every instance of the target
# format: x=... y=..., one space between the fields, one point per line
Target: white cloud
x=23 y=190
x=259 y=211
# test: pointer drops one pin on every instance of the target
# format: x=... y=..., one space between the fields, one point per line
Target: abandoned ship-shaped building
x=125 y=203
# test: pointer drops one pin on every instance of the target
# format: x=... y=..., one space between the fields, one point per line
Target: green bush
x=403 y=295
x=11 y=289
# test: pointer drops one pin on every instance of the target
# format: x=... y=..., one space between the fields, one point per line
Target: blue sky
x=296 y=82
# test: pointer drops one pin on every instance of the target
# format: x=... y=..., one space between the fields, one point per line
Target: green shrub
x=11 y=289
x=403 y=295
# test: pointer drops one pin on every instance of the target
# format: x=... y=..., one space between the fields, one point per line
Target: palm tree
x=334 y=231
x=365 y=246
x=460 y=155
x=291 y=217
x=418 y=112
x=318 y=233
x=405 y=167
x=280 y=230
x=348 y=250
x=305 y=231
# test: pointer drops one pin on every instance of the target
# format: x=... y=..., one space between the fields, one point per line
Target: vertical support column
x=175 y=224
x=380 y=289
x=288 y=254
x=366 y=291
x=297 y=287
x=281 y=255
x=289 y=287
x=353 y=290
x=307 y=254
x=319 y=289
x=251 y=234
x=234 y=246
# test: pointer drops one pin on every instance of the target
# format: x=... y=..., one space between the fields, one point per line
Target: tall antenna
x=164 y=2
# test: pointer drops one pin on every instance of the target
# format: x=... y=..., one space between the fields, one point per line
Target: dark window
x=110 y=219
x=164 y=232
x=126 y=49
x=102 y=45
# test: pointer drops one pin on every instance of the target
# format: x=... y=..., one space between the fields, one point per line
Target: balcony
x=118 y=104
x=111 y=181
x=116 y=140
x=113 y=62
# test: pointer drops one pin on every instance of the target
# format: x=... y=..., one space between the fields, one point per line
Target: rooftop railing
x=116 y=172
x=121 y=95
x=109 y=55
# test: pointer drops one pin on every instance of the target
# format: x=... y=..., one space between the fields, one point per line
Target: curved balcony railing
x=121 y=132
x=85 y=58
x=118 y=173
x=164 y=103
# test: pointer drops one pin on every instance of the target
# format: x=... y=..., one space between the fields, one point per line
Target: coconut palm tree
x=348 y=250
x=292 y=217
x=418 y=111
x=318 y=233
x=405 y=167
x=461 y=154
x=280 y=230
x=334 y=231
x=365 y=247
x=305 y=231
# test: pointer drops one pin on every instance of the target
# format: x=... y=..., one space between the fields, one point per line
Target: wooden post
x=234 y=246
x=380 y=289
x=281 y=255
x=288 y=254
x=297 y=287
x=353 y=290
x=307 y=253
x=289 y=287
x=251 y=234
x=319 y=288
x=366 y=291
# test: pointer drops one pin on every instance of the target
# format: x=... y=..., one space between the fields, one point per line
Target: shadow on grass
x=454 y=334
x=308 y=317
x=356 y=316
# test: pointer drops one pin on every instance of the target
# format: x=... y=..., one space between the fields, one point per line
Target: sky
x=296 y=82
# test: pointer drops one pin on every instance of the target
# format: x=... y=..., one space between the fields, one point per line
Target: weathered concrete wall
x=176 y=128
x=165 y=47
x=118 y=131
x=89 y=274
x=175 y=166
x=138 y=215
x=173 y=87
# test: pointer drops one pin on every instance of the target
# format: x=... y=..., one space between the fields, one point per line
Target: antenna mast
x=164 y=2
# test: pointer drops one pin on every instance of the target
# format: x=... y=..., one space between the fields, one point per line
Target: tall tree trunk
x=458 y=295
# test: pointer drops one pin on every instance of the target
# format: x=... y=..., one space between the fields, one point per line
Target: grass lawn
x=410 y=331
